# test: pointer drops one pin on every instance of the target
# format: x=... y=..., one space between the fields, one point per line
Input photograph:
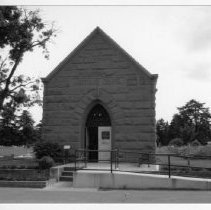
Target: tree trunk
x=5 y=92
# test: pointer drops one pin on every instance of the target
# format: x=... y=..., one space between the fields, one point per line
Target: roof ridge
x=84 y=42
x=126 y=53
x=71 y=54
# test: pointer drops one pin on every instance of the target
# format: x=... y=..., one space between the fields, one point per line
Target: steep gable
x=100 y=41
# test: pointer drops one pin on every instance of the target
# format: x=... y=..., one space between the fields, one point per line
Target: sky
x=171 y=41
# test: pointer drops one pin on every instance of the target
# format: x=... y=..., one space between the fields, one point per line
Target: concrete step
x=67 y=173
x=66 y=178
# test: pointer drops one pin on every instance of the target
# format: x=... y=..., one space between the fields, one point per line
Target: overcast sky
x=172 y=41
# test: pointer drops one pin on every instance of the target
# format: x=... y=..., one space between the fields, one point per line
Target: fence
x=137 y=162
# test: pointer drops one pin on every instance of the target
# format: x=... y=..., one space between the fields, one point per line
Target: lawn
x=204 y=163
x=16 y=157
x=18 y=162
x=16 y=151
x=200 y=158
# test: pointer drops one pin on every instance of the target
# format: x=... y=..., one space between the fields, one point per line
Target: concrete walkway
x=138 y=181
x=70 y=195
x=133 y=167
x=98 y=175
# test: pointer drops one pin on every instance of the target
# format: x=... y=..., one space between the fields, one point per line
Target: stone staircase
x=67 y=174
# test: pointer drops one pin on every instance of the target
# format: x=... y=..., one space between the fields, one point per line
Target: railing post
x=169 y=165
x=63 y=156
x=189 y=164
x=111 y=162
x=75 y=159
x=85 y=158
x=117 y=158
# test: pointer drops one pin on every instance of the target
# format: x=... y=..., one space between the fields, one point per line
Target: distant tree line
x=19 y=130
x=191 y=123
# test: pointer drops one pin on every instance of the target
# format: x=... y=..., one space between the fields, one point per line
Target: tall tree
x=162 y=128
x=27 y=129
x=175 y=127
x=18 y=130
x=192 y=122
x=21 y=31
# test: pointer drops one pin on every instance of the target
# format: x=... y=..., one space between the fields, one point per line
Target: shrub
x=42 y=149
x=195 y=143
x=203 y=151
x=46 y=162
x=176 y=142
x=146 y=159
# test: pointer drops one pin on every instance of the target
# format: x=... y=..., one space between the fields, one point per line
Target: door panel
x=93 y=143
x=104 y=142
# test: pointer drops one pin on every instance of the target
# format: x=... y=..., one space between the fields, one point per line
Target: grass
x=13 y=169
x=15 y=150
x=202 y=165
x=24 y=175
x=185 y=150
x=185 y=173
x=20 y=162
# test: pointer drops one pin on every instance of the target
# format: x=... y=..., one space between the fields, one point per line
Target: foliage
x=9 y=136
x=53 y=150
x=19 y=130
x=195 y=143
x=196 y=116
x=46 y=162
x=28 y=132
x=176 y=142
x=162 y=131
x=192 y=122
x=21 y=31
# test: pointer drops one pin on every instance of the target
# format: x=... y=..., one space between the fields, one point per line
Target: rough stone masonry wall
x=100 y=71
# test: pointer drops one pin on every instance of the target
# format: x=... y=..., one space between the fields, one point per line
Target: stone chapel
x=100 y=98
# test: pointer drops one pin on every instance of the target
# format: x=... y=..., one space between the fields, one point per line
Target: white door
x=104 y=142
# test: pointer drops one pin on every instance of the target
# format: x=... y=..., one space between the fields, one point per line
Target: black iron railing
x=169 y=164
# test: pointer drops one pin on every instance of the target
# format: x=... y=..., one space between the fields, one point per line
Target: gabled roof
x=85 y=41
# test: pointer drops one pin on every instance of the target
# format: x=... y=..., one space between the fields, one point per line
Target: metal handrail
x=116 y=159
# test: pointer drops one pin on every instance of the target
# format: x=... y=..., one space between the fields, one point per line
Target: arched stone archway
x=98 y=132
x=105 y=98
x=86 y=104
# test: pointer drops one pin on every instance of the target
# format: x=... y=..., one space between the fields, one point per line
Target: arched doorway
x=98 y=133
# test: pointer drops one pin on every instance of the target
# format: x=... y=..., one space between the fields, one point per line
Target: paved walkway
x=133 y=167
x=70 y=195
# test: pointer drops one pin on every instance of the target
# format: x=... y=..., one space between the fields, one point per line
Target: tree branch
x=6 y=88
x=2 y=63
x=22 y=85
x=40 y=42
